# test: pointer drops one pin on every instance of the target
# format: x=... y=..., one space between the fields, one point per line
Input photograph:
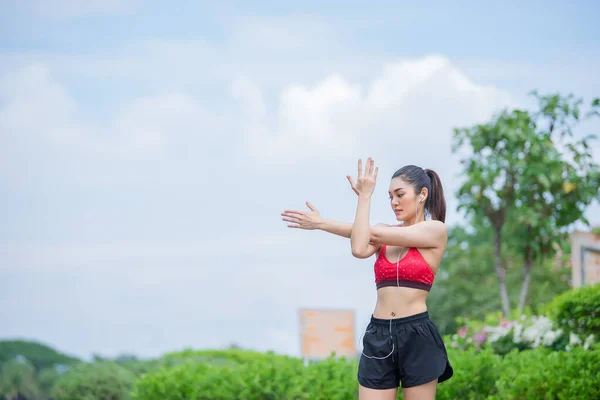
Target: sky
x=147 y=152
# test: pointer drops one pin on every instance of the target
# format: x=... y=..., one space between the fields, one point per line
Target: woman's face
x=404 y=200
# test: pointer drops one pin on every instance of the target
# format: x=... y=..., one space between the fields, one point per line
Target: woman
x=401 y=345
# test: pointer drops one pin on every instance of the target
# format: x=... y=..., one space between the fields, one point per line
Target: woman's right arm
x=343 y=229
x=311 y=220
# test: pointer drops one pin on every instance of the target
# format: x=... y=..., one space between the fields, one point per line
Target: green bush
x=181 y=380
x=94 y=381
x=578 y=310
x=249 y=376
x=546 y=374
x=478 y=374
x=17 y=377
x=475 y=374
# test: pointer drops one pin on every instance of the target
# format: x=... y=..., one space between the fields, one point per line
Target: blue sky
x=147 y=152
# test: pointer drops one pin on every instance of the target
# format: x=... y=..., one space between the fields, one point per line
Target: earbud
x=421 y=199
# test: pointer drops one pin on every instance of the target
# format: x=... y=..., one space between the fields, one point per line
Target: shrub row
x=532 y=374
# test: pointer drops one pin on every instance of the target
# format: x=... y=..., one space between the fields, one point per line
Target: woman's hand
x=366 y=180
x=308 y=220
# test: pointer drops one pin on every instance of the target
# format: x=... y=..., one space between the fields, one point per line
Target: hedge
x=92 y=381
x=532 y=374
x=578 y=310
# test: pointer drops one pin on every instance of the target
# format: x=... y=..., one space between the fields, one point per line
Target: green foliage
x=94 y=381
x=578 y=310
x=466 y=285
x=477 y=375
x=215 y=357
x=463 y=286
x=554 y=186
x=529 y=179
x=17 y=377
x=179 y=382
x=259 y=376
x=549 y=375
x=46 y=379
x=521 y=332
x=41 y=356
x=329 y=379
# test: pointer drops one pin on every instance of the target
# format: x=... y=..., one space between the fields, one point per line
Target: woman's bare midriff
x=398 y=302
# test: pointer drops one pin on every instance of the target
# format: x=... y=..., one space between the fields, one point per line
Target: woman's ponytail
x=436 y=202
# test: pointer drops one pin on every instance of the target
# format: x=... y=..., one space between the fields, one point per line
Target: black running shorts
x=408 y=350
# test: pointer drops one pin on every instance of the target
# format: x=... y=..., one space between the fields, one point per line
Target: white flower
x=574 y=340
x=536 y=331
x=588 y=341
x=497 y=332
x=550 y=337
x=530 y=334
x=517 y=333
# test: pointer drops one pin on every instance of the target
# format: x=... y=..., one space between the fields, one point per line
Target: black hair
x=421 y=178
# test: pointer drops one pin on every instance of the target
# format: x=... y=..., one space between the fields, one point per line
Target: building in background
x=585 y=258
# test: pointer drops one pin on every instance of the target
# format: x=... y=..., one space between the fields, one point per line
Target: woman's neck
x=413 y=221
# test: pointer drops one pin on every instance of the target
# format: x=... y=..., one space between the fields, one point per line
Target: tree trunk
x=526 y=280
x=501 y=273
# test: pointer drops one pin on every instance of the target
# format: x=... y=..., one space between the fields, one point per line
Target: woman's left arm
x=427 y=234
x=360 y=237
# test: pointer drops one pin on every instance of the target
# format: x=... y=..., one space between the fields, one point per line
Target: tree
x=519 y=181
x=40 y=355
x=466 y=285
x=555 y=187
x=463 y=283
x=98 y=380
x=18 y=379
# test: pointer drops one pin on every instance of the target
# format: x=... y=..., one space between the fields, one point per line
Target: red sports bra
x=412 y=271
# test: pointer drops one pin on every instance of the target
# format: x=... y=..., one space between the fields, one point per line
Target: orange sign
x=324 y=332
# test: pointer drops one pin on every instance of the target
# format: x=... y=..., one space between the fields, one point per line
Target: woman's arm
x=360 y=238
x=311 y=220
x=427 y=234
x=343 y=229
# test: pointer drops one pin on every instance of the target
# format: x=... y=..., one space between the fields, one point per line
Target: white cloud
x=309 y=121
x=148 y=123
x=45 y=131
x=35 y=105
x=412 y=102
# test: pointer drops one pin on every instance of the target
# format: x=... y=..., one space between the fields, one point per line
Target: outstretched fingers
x=292 y=219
